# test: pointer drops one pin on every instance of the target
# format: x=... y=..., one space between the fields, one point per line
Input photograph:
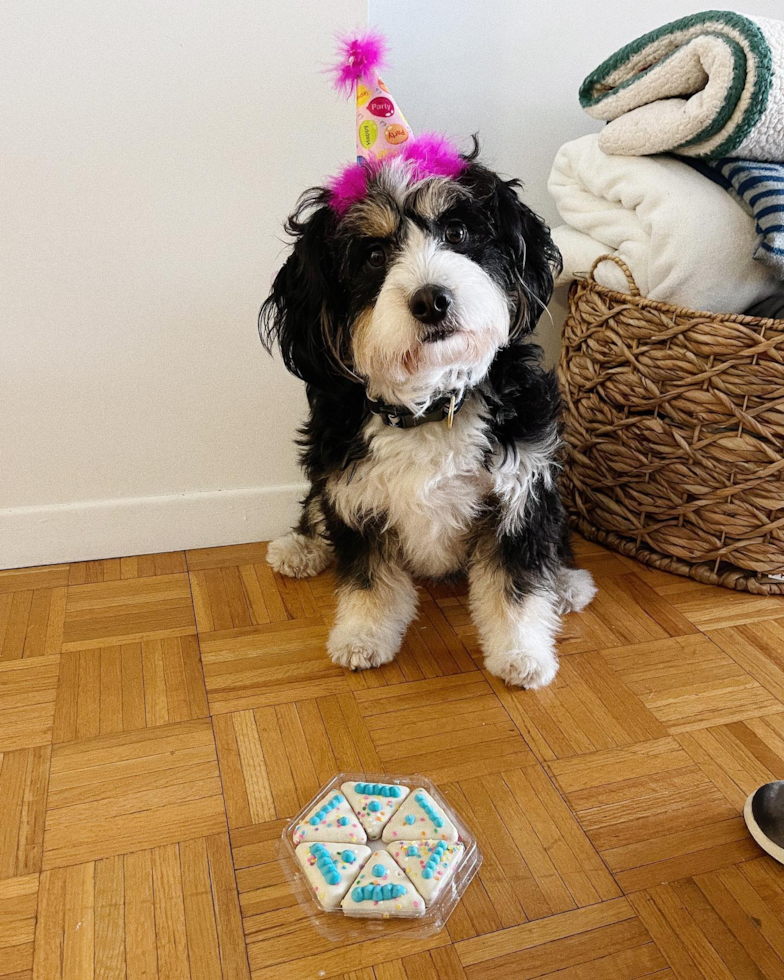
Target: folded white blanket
x=707 y=85
x=685 y=239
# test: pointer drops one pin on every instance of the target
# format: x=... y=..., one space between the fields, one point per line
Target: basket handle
x=633 y=290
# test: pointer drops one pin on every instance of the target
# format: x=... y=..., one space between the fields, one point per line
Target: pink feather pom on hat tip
x=359 y=55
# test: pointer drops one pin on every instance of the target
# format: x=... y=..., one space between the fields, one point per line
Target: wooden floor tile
x=265 y=895
x=233 y=554
x=689 y=683
x=30 y=579
x=142 y=566
x=698 y=603
x=240 y=597
x=122 y=688
x=652 y=813
x=137 y=566
x=119 y=793
x=323 y=589
x=329 y=959
x=18 y=902
x=447 y=590
x=456 y=612
x=587 y=707
x=606 y=940
x=724 y=924
x=27 y=695
x=127 y=610
x=90 y=572
x=254 y=760
x=441 y=726
x=153 y=705
x=537 y=859
x=738 y=758
x=24 y=781
x=166 y=913
x=759 y=649
x=600 y=562
x=435 y=645
x=236 y=594
x=31 y=623
x=270 y=668
x=638 y=587
x=617 y=618
x=576 y=636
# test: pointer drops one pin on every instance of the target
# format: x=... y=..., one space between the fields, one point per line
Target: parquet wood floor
x=162 y=716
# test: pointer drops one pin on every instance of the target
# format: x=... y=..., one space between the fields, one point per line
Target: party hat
x=381 y=128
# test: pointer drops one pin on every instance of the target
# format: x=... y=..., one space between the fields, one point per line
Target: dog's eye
x=455 y=233
x=376 y=257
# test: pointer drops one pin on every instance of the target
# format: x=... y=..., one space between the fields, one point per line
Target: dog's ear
x=535 y=259
x=302 y=313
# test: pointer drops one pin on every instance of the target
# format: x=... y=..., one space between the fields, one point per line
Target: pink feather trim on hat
x=433 y=155
x=360 y=55
x=347 y=187
x=428 y=155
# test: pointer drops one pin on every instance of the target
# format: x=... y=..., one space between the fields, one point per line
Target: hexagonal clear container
x=340 y=926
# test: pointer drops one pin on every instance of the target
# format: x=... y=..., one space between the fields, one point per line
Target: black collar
x=403 y=418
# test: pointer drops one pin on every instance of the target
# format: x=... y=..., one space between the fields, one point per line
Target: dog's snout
x=430 y=304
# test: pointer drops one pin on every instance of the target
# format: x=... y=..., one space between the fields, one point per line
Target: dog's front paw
x=576 y=589
x=358 y=650
x=520 y=669
x=298 y=555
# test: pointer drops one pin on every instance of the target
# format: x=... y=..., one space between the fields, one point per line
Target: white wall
x=510 y=70
x=149 y=152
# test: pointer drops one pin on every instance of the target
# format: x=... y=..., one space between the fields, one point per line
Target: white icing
x=409 y=904
x=329 y=827
x=330 y=894
x=374 y=821
x=422 y=827
x=414 y=864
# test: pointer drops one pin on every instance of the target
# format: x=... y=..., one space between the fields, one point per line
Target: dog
x=432 y=441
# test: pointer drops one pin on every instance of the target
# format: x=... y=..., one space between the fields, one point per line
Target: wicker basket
x=674 y=424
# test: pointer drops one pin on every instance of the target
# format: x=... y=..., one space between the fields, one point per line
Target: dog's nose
x=430 y=304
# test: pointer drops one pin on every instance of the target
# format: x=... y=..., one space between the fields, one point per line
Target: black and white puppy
x=411 y=311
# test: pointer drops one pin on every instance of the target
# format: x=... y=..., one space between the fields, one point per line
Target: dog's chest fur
x=427 y=484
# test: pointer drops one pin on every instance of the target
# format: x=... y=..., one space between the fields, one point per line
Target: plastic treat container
x=335 y=923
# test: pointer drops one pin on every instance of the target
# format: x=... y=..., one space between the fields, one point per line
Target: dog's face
x=415 y=288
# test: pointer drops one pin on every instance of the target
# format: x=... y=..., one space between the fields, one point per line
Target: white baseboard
x=143 y=525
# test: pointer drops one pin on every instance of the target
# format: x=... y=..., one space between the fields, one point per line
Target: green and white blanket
x=708 y=85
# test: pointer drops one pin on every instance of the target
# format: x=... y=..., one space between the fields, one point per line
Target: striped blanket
x=759 y=187
x=709 y=85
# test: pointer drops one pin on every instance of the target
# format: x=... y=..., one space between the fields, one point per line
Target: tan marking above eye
x=434 y=197
x=374 y=218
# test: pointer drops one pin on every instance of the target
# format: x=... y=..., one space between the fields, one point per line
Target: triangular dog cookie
x=374 y=803
x=429 y=864
x=420 y=818
x=331 y=868
x=382 y=890
x=331 y=819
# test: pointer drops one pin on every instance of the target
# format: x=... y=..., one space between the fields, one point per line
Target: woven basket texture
x=674 y=426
